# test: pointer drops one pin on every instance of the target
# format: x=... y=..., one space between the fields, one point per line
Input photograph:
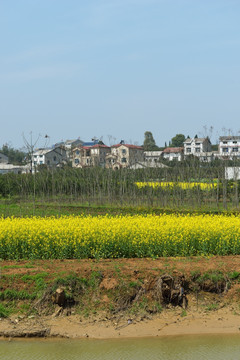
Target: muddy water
x=214 y=347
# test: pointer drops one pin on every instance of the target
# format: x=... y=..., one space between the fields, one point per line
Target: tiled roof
x=188 y=140
x=42 y=151
x=100 y=146
x=128 y=146
x=222 y=138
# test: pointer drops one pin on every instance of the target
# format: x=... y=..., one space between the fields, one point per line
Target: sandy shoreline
x=222 y=321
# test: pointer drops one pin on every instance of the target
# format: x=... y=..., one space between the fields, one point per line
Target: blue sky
x=117 y=68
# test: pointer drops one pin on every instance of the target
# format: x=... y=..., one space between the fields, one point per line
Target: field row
x=120 y=236
x=172 y=185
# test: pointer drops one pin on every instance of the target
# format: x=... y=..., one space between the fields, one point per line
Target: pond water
x=214 y=347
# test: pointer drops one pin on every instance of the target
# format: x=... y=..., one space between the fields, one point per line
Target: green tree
x=215 y=147
x=178 y=140
x=149 y=143
x=14 y=156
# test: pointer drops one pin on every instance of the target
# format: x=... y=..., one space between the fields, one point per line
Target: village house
x=50 y=157
x=232 y=173
x=69 y=145
x=16 y=169
x=207 y=156
x=229 y=147
x=146 y=164
x=99 y=153
x=88 y=156
x=3 y=159
x=81 y=157
x=173 y=153
x=124 y=155
x=197 y=146
x=152 y=157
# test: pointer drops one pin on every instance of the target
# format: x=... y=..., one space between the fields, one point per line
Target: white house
x=232 y=173
x=50 y=157
x=207 y=156
x=173 y=153
x=147 y=164
x=197 y=147
x=16 y=169
x=152 y=157
x=229 y=147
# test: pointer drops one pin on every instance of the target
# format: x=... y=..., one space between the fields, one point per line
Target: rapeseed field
x=70 y=237
x=182 y=185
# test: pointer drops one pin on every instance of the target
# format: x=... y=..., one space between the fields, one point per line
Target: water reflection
x=185 y=347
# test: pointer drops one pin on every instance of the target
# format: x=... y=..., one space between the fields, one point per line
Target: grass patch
x=10 y=294
x=183 y=313
x=4 y=312
x=212 y=307
x=213 y=276
x=233 y=275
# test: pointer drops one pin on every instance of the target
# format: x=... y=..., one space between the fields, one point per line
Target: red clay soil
x=113 y=269
x=128 y=267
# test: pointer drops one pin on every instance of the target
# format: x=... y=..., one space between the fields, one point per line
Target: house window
x=198 y=144
x=234 y=142
x=54 y=158
x=77 y=152
x=41 y=162
x=235 y=149
x=225 y=142
x=76 y=161
x=225 y=149
x=124 y=160
x=123 y=151
x=188 y=144
x=197 y=150
x=188 y=150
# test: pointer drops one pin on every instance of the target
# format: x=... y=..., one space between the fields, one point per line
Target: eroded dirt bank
x=167 y=323
x=120 y=298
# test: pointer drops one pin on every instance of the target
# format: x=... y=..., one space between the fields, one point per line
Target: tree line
x=107 y=186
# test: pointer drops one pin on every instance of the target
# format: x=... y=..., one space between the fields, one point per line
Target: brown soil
x=133 y=267
x=209 y=310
